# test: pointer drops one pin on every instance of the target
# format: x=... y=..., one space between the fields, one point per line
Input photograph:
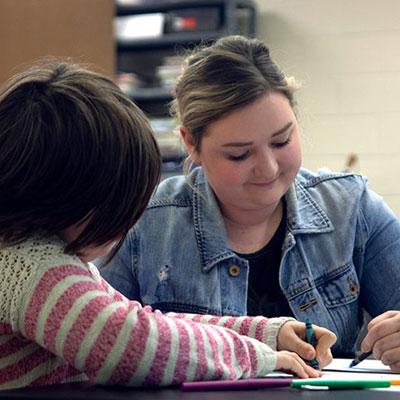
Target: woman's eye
x=282 y=144
x=239 y=157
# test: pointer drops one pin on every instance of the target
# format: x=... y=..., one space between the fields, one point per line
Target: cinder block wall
x=346 y=54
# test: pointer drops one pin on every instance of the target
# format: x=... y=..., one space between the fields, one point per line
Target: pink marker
x=242 y=384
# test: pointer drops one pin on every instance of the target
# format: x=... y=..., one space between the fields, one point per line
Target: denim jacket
x=341 y=254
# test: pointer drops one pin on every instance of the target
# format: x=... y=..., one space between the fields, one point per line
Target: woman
x=251 y=232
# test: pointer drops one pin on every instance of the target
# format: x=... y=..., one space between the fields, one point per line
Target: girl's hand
x=290 y=362
x=292 y=336
x=383 y=339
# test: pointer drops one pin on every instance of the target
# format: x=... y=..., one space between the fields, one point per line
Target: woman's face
x=252 y=155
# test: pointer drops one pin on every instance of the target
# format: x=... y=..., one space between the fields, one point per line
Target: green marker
x=341 y=384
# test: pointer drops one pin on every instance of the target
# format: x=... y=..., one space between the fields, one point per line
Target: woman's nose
x=267 y=165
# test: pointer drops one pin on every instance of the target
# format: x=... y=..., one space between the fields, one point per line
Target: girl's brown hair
x=73 y=148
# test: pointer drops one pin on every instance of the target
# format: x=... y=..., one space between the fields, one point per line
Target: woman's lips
x=264 y=183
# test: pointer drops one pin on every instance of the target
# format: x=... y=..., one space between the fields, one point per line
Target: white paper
x=339 y=370
x=367 y=366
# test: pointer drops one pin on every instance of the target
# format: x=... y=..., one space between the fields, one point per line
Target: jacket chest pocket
x=331 y=301
x=339 y=287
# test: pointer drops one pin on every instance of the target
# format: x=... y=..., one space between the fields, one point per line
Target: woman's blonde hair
x=231 y=73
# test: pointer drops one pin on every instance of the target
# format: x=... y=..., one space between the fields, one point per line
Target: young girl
x=78 y=165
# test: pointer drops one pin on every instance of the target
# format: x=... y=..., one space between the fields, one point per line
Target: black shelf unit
x=171 y=39
x=142 y=56
x=228 y=13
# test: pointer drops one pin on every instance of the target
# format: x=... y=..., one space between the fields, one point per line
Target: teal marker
x=311 y=339
x=340 y=384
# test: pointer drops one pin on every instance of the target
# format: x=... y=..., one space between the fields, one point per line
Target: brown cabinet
x=79 y=29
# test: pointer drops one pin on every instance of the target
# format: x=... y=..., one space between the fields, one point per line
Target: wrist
x=272 y=330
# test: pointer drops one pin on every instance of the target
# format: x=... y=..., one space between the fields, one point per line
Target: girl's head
x=223 y=77
x=75 y=151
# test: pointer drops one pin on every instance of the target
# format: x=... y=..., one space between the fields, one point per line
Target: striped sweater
x=61 y=322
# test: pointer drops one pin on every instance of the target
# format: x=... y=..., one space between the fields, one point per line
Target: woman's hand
x=383 y=339
x=292 y=336
x=290 y=362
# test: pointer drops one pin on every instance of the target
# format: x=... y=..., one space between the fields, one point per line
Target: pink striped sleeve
x=261 y=328
x=73 y=314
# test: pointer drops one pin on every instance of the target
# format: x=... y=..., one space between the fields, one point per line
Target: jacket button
x=234 y=270
x=353 y=286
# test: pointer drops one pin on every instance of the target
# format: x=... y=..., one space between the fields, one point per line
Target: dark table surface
x=87 y=392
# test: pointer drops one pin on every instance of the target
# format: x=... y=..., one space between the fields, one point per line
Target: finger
x=286 y=362
x=325 y=339
x=386 y=344
x=311 y=372
x=328 y=335
x=303 y=349
x=302 y=370
x=395 y=367
x=390 y=356
x=383 y=329
x=381 y=317
x=323 y=348
x=307 y=369
x=298 y=370
x=324 y=359
x=292 y=338
x=380 y=330
x=291 y=362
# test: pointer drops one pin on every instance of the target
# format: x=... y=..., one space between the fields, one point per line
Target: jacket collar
x=304 y=216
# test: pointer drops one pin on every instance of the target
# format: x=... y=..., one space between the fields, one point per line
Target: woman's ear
x=188 y=141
